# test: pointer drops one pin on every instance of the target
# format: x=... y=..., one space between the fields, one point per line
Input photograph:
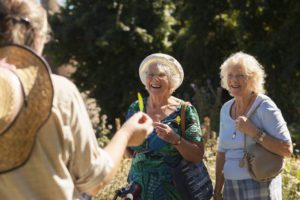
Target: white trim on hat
x=175 y=67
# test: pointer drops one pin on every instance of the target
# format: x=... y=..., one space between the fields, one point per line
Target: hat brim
x=172 y=63
x=17 y=141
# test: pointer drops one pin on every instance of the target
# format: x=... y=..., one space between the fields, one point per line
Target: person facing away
x=48 y=149
x=154 y=160
x=243 y=77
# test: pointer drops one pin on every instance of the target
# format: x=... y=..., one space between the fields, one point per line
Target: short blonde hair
x=253 y=69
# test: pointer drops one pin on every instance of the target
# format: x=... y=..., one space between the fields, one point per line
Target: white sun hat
x=176 y=70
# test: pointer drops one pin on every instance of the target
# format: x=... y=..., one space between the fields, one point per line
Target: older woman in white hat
x=48 y=149
x=153 y=160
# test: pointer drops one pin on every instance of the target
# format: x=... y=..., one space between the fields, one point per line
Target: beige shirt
x=66 y=160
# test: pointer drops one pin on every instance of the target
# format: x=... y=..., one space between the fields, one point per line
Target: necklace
x=243 y=113
x=234 y=133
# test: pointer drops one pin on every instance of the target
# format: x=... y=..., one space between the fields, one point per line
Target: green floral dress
x=154 y=160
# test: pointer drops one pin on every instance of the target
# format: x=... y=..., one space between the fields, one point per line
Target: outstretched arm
x=132 y=133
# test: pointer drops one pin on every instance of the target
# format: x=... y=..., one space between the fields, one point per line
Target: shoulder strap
x=182 y=117
x=253 y=111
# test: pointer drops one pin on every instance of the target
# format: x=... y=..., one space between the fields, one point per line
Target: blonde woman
x=243 y=77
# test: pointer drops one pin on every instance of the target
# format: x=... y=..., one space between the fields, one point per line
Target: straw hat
x=176 y=70
x=26 y=95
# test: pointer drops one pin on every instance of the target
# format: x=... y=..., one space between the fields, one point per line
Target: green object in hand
x=141 y=102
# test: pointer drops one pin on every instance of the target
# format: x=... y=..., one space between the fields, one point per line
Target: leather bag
x=262 y=164
x=191 y=180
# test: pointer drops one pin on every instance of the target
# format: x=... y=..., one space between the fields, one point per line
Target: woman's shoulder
x=227 y=104
x=266 y=102
x=177 y=100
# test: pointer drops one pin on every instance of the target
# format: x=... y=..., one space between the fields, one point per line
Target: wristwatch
x=178 y=142
x=260 y=136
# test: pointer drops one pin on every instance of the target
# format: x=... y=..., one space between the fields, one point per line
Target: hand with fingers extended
x=165 y=132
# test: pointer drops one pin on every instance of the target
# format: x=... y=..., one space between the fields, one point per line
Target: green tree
x=109 y=39
x=270 y=31
x=212 y=30
x=204 y=40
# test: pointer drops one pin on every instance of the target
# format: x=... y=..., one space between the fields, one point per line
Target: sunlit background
x=61 y=2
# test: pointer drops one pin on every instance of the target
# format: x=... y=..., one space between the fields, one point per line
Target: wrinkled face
x=237 y=81
x=157 y=80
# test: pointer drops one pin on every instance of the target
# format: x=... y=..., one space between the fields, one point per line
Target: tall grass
x=290 y=174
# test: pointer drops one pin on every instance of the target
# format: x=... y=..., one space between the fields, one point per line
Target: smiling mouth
x=156 y=86
x=235 y=87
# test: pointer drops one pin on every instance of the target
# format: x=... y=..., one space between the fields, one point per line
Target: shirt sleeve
x=273 y=122
x=88 y=164
x=193 y=128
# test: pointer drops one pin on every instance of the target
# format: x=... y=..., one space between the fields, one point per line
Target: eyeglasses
x=159 y=75
x=238 y=77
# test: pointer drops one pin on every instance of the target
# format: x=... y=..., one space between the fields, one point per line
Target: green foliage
x=268 y=30
x=212 y=30
x=100 y=126
x=203 y=41
x=104 y=132
x=290 y=182
x=109 y=39
x=291 y=179
x=294 y=129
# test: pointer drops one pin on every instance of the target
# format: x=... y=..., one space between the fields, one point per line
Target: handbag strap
x=182 y=117
x=253 y=111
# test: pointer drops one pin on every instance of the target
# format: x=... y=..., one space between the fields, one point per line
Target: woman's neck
x=158 y=101
x=159 y=108
x=243 y=103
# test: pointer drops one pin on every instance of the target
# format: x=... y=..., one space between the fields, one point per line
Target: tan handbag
x=262 y=164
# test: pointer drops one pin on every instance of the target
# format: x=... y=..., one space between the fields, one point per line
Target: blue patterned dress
x=153 y=161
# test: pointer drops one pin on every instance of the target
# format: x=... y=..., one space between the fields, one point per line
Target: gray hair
x=174 y=78
x=253 y=69
x=21 y=22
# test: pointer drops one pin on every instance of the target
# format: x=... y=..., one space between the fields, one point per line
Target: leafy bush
x=101 y=128
x=291 y=179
